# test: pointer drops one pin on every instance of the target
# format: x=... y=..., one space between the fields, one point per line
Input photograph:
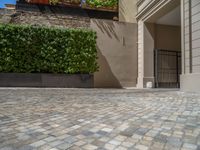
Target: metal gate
x=167 y=67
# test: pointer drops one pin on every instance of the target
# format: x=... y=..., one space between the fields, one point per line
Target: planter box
x=38 y=1
x=62 y=3
x=46 y=80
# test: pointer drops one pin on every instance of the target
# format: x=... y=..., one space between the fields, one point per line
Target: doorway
x=159 y=49
x=167 y=66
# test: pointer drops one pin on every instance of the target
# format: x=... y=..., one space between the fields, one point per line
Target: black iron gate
x=167 y=67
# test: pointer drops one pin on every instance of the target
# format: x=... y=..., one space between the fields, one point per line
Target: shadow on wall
x=122 y=11
x=105 y=77
x=127 y=10
x=117 y=52
x=107 y=28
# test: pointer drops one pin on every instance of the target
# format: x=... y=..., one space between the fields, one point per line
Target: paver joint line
x=98 y=119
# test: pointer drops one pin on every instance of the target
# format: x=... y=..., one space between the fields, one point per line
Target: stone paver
x=99 y=119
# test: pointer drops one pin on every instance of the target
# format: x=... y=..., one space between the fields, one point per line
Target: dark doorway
x=167 y=64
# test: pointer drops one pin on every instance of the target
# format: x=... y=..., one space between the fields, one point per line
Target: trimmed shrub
x=28 y=49
x=102 y=3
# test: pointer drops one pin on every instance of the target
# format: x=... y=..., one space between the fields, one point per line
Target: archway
x=159 y=47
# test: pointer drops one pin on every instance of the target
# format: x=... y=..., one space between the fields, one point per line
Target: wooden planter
x=39 y=1
x=46 y=80
x=68 y=3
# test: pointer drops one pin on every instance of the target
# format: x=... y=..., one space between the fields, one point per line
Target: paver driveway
x=98 y=119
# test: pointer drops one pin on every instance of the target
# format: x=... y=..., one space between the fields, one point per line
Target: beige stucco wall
x=149 y=46
x=168 y=37
x=127 y=11
x=117 y=52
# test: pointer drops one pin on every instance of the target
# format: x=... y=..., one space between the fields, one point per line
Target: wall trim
x=190 y=82
x=190 y=33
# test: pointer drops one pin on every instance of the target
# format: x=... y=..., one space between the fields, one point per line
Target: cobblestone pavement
x=102 y=119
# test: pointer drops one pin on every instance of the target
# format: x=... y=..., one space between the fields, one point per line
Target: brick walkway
x=88 y=119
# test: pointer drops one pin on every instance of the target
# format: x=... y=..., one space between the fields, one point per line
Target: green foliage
x=53 y=2
x=28 y=49
x=102 y=3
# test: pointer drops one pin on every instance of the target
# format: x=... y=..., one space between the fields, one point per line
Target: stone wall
x=58 y=16
x=47 y=16
x=50 y=19
x=5 y=15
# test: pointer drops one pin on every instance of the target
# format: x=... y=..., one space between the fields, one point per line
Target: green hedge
x=28 y=49
x=102 y=3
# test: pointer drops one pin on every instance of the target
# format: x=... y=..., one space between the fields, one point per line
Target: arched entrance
x=159 y=46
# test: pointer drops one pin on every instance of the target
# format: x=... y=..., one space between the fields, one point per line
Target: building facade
x=190 y=78
x=154 y=43
x=173 y=28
